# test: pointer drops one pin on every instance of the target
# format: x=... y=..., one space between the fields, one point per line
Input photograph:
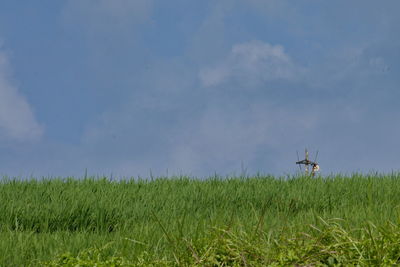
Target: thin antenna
x=298 y=159
x=316 y=156
x=306 y=166
x=315 y=166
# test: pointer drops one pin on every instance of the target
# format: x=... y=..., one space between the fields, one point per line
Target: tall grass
x=135 y=219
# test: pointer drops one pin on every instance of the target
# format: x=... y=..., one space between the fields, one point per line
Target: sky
x=139 y=88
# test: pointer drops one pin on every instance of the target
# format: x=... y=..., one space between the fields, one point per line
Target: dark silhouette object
x=306 y=162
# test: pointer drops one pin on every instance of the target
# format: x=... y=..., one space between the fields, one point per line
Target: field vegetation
x=242 y=221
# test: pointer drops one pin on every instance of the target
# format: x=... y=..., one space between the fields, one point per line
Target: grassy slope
x=41 y=219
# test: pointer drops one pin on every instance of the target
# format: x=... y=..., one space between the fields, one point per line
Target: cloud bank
x=17 y=120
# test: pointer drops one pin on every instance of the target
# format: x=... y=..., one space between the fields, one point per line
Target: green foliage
x=330 y=245
x=95 y=257
x=170 y=219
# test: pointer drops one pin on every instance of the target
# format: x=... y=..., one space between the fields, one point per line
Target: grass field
x=246 y=221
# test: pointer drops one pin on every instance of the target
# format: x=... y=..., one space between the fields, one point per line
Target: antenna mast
x=306 y=162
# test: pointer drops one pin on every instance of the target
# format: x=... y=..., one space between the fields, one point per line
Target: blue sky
x=198 y=87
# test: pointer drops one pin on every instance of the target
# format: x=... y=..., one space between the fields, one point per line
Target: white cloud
x=17 y=121
x=251 y=63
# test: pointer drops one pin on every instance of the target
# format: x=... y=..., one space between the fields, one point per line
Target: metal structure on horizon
x=306 y=162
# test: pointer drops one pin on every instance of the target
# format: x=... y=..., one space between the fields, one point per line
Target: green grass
x=187 y=221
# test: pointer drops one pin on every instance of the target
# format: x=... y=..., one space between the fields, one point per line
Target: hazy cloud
x=251 y=63
x=17 y=121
